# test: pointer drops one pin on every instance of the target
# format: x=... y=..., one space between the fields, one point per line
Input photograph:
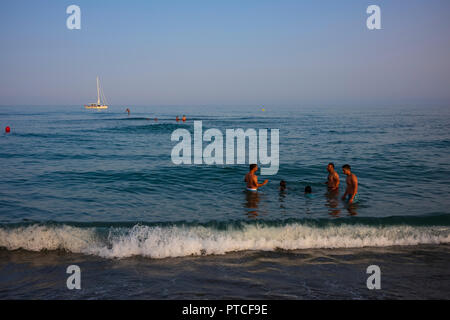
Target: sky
x=225 y=52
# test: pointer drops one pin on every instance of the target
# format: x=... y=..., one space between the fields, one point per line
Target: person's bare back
x=252 y=180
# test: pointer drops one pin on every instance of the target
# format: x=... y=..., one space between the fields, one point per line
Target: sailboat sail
x=101 y=100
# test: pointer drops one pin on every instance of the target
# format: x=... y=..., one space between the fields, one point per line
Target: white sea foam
x=178 y=241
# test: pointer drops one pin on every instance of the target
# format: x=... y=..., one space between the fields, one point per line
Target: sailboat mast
x=98 y=93
x=101 y=100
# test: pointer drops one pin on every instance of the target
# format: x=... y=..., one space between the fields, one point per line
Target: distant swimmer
x=351 y=192
x=177 y=119
x=184 y=118
x=252 y=179
x=128 y=110
x=333 y=178
x=156 y=119
x=282 y=185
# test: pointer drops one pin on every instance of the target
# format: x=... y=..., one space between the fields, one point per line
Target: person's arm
x=345 y=193
x=337 y=181
x=255 y=180
x=261 y=184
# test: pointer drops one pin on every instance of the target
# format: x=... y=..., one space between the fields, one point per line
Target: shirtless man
x=333 y=178
x=252 y=179
x=352 y=185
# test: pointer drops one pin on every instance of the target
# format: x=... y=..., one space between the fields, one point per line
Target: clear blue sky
x=225 y=52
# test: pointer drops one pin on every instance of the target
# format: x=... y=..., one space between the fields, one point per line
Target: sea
x=99 y=190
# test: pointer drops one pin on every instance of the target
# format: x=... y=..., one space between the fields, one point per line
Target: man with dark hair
x=252 y=179
x=333 y=178
x=351 y=192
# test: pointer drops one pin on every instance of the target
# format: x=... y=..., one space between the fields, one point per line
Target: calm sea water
x=101 y=185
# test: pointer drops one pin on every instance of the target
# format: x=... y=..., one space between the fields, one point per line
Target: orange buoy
x=7 y=129
x=184 y=118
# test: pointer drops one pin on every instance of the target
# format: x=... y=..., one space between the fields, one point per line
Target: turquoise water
x=99 y=190
x=103 y=183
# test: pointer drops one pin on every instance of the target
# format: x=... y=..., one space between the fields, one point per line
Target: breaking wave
x=184 y=239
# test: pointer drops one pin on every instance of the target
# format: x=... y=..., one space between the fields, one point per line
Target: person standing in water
x=128 y=110
x=333 y=178
x=184 y=118
x=252 y=179
x=351 y=192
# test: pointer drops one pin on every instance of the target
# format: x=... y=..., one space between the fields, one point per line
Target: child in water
x=308 y=192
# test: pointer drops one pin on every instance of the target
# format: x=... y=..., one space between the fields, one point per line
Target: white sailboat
x=101 y=100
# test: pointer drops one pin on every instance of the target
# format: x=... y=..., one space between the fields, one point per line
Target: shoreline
x=407 y=272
